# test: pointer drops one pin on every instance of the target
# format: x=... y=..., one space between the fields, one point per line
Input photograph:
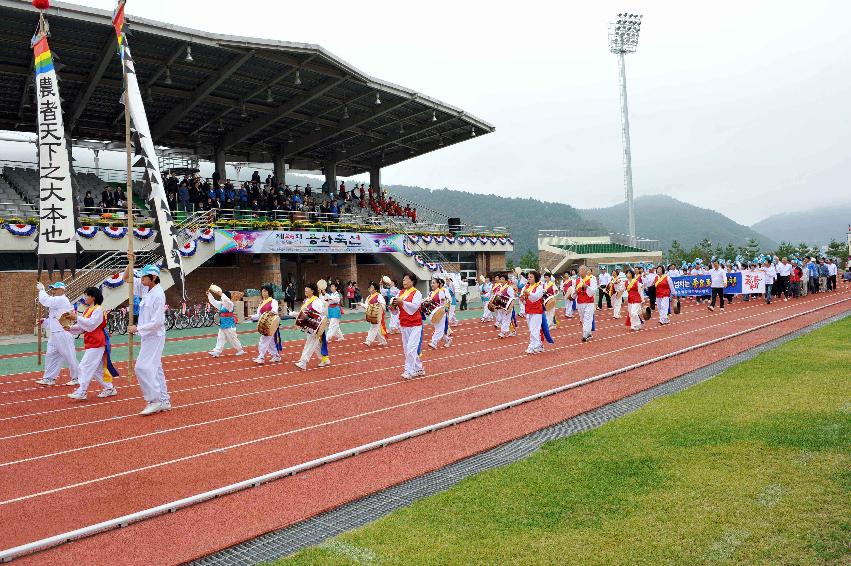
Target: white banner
x=57 y=245
x=753 y=282
x=144 y=145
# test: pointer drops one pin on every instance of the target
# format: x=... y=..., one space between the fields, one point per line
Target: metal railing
x=106 y=175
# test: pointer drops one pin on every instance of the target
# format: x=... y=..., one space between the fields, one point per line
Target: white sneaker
x=406 y=375
x=150 y=409
x=530 y=351
x=111 y=392
x=512 y=334
x=301 y=366
x=420 y=373
x=448 y=342
x=241 y=353
x=214 y=354
x=366 y=343
x=324 y=363
x=259 y=361
x=276 y=358
x=74 y=382
x=44 y=381
x=165 y=405
x=501 y=335
x=77 y=395
x=432 y=346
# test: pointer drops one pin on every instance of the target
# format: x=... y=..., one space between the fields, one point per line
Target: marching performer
x=438 y=296
x=532 y=295
x=390 y=291
x=485 y=292
x=549 y=287
x=335 y=312
x=618 y=288
x=664 y=290
x=60 y=343
x=452 y=301
x=270 y=345
x=519 y=282
x=377 y=332
x=314 y=343
x=96 y=362
x=507 y=321
x=151 y=331
x=634 y=299
x=586 y=292
x=227 y=322
x=407 y=306
x=496 y=289
x=568 y=289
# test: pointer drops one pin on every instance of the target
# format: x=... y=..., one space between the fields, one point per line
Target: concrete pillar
x=220 y=164
x=347 y=268
x=270 y=268
x=279 y=168
x=330 y=177
x=375 y=180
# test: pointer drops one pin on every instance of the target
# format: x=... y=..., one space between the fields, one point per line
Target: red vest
x=97 y=337
x=663 y=286
x=633 y=295
x=534 y=307
x=581 y=294
x=409 y=320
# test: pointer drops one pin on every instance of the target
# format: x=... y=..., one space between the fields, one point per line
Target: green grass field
x=751 y=467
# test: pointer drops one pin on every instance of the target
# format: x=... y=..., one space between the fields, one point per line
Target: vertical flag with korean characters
x=57 y=239
x=146 y=154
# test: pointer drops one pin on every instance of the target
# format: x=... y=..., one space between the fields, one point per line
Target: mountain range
x=815 y=227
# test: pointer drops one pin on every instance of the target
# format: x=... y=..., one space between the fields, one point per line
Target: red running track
x=67 y=465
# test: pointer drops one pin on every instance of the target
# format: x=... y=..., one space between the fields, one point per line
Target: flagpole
x=38 y=310
x=129 y=225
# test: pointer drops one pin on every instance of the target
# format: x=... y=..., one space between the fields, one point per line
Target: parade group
x=506 y=297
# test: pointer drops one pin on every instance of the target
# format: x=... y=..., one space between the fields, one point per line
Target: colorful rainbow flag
x=43 y=57
x=118 y=24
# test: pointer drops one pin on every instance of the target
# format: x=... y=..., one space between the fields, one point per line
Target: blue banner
x=701 y=285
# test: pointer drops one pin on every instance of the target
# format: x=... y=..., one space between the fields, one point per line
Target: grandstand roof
x=199 y=105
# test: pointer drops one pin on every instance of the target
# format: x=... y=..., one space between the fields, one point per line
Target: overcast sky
x=738 y=106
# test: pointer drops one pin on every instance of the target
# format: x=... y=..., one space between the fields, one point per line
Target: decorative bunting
x=115 y=233
x=143 y=233
x=88 y=232
x=189 y=248
x=114 y=281
x=207 y=235
x=21 y=230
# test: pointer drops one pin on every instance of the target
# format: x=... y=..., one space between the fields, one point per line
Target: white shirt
x=256 y=316
x=152 y=313
x=831 y=269
x=218 y=304
x=770 y=274
x=332 y=298
x=648 y=279
x=56 y=307
x=591 y=288
x=87 y=324
x=414 y=305
x=537 y=293
x=784 y=269
x=718 y=277
x=605 y=279
x=139 y=290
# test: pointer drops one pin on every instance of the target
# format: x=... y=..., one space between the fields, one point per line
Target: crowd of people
x=193 y=193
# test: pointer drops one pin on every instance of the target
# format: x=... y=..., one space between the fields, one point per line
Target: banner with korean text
x=285 y=242
x=738 y=283
x=57 y=245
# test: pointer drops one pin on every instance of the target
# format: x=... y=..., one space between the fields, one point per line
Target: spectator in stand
x=89 y=202
x=195 y=194
x=341 y=192
x=217 y=178
x=255 y=205
x=831 y=275
x=255 y=177
x=183 y=196
x=770 y=277
x=308 y=191
x=243 y=197
x=106 y=198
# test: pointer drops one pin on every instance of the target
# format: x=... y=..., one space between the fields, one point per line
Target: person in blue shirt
x=243 y=197
x=220 y=194
x=227 y=324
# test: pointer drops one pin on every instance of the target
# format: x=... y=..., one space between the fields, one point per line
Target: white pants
x=375 y=335
x=498 y=319
x=586 y=314
x=635 y=316
x=551 y=317
x=267 y=346
x=334 y=329
x=411 y=336
x=91 y=367
x=617 y=302
x=393 y=323
x=521 y=311
x=439 y=332
x=505 y=323
x=534 y=322
x=312 y=345
x=149 y=369
x=60 y=351
x=486 y=313
x=568 y=308
x=452 y=314
x=227 y=335
x=662 y=304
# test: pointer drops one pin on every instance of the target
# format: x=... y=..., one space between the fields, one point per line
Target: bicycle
x=169 y=318
x=181 y=317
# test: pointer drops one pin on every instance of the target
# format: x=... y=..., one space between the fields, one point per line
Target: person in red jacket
x=664 y=290
x=634 y=300
x=411 y=322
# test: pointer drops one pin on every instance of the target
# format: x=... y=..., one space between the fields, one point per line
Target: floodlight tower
x=623 y=39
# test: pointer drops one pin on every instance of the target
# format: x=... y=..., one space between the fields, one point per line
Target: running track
x=66 y=465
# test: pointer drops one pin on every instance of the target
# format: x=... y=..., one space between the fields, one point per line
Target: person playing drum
x=438 y=298
x=634 y=299
x=533 y=296
x=390 y=291
x=96 y=362
x=375 y=303
x=485 y=292
x=568 y=289
x=268 y=345
x=507 y=315
x=550 y=303
x=618 y=287
x=314 y=343
x=407 y=306
x=227 y=322
x=332 y=298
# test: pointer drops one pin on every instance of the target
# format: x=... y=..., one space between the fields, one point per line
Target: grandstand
x=561 y=250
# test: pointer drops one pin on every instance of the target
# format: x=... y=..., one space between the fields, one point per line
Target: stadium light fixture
x=189 y=58
x=472 y=132
x=377 y=98
x=434 y=116
x=401 y=128
x=345 y=112
x=297 y=80
x=168 y=80
x=269 y=97
x=243 y=113
x=623 y=39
